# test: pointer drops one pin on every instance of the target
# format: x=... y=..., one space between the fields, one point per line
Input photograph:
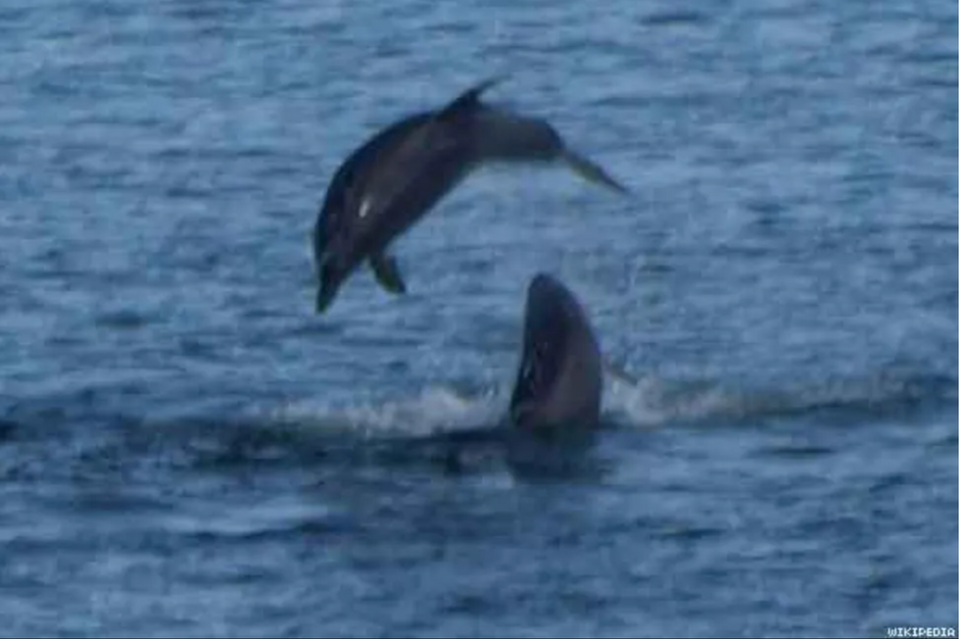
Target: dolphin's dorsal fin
x=469 y=98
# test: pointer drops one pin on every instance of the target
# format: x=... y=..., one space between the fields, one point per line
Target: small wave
x=440 y=424
x=676 y=17
x=797 y=451
x=649 y=402
x=445 y=411
x=435 y=411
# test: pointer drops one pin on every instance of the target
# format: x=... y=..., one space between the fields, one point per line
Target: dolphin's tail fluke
x=591 y=171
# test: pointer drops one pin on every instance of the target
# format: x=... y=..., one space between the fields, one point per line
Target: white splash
x=650 y=402
x=436 y=410
x=645 y=402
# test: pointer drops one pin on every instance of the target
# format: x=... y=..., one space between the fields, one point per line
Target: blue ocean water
x=187 y=450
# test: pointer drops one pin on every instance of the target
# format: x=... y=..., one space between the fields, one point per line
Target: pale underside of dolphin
x=401 y=173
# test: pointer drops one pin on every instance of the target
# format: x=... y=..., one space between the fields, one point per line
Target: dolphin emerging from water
x=402 y=172
x=559 y=384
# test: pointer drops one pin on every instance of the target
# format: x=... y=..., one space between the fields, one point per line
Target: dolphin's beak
x=328 y=283
x=590 y=171
x=325 y=295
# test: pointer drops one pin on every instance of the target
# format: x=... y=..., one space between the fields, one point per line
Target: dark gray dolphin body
x=559 y=384
x=401 y=173
x=553 y=418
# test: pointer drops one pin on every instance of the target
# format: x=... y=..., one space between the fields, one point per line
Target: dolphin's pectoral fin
x=387 y=272
x=591 y=171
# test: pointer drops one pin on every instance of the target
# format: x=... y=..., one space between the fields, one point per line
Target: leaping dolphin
x=397 y=176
